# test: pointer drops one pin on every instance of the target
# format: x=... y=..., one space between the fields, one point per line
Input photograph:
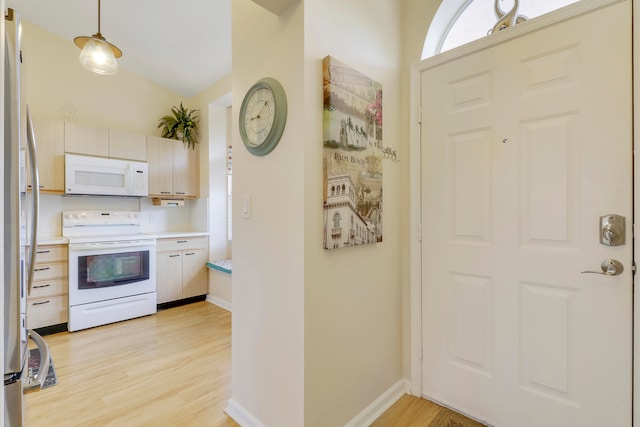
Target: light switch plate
x=246 y=207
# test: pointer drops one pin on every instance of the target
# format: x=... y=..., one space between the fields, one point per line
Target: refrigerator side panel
x=2 y=67
x=13 y=405
x=14 y=335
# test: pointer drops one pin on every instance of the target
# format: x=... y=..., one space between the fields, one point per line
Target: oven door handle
x=110 y=245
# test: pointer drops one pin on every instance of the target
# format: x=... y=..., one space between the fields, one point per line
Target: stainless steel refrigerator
x=20 y=226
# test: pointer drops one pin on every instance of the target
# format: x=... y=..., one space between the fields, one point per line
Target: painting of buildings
x=353 y=152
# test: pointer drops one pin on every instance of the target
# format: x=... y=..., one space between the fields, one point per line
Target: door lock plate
x=612 y=230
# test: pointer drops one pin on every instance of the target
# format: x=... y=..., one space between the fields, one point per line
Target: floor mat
x=34 y=367
x=447 y=418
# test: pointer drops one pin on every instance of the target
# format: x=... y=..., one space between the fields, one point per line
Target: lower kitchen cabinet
x=48 y=302
x=181 y=268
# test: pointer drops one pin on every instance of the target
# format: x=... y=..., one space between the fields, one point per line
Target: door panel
x=525 y=145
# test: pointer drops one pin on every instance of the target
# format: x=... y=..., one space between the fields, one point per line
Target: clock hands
x=257 y=116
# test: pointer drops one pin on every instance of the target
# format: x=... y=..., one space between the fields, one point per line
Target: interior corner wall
x=268 y=262
x=353 y=296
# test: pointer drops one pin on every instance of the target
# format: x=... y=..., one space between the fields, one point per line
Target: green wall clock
x=263 y=116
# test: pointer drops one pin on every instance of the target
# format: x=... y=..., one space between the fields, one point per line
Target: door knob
x=609 y=267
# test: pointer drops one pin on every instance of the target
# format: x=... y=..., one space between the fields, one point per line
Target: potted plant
x=182 y=125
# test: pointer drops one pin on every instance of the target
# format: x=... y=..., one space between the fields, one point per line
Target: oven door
x=101 y=271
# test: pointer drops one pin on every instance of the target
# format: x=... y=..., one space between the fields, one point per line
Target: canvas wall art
x=353 y=153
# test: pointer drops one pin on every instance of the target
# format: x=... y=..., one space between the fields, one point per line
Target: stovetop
x=90 y=226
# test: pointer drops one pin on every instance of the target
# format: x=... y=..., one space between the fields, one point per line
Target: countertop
x=52 y=240
x=174 y=234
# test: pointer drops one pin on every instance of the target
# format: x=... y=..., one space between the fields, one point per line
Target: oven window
x=99 y=271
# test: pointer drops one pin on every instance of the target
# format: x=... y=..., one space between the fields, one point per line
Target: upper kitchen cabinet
x=49 y=136
x=94 y=141
x=173 y=168
x=82 y=139
x=127 y=145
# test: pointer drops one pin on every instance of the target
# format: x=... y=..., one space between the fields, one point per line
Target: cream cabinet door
x=160 y=162
x=185 y=170
x=194 y=272
x=169 y=276
x=83 y=139
x=50 y=144
x=127 y=145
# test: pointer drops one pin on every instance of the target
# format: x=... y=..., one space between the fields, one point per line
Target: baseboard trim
x=241 y=415
x=219 y=302
x=372 y=412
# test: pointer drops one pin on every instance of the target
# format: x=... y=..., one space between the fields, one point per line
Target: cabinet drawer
x=47 y=311
x=50 y=271
x=47 y=288
x=177 y=244
x=52 y=253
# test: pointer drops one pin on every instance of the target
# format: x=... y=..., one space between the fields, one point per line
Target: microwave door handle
x=37 y=381
x=35 y=211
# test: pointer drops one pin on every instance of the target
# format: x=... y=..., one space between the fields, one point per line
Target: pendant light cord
x=98 y=16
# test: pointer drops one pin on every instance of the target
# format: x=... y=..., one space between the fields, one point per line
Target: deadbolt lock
x=612 y=230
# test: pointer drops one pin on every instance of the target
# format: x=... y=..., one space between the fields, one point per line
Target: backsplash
x=190 y=217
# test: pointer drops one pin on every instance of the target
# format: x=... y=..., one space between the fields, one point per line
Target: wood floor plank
x=169 y=369
x=411 y=411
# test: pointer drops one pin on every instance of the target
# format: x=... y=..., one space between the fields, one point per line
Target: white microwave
x=105 y=177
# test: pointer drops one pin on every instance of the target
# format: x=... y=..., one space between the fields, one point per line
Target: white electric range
x=112 y=267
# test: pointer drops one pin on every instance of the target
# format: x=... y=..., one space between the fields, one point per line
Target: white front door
x=525 y=145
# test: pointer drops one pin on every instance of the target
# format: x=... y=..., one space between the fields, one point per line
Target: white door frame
x=415 y=277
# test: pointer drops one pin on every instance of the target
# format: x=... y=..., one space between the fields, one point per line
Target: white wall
x=268 y=249
x=215 y=109
x=353 y=310
x=317 y=335
x=56 y=86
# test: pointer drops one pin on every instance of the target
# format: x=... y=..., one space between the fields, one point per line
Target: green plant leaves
x=182 y=125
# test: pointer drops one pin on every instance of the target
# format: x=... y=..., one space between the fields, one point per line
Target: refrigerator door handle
x=37 y=381
x=35 y=212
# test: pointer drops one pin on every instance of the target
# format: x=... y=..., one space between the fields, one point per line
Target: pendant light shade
x=98 y=55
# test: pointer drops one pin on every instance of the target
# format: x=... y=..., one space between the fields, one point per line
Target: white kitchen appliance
x=19 y=225
x=112 y=267
x=104 y=176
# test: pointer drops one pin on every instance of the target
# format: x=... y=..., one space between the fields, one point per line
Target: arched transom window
x=458 y=22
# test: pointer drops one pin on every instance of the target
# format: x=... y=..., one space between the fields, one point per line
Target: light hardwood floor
x=411 y=411
x=169 y=369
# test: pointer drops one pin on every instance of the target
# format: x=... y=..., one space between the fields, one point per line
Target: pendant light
x=98 y=55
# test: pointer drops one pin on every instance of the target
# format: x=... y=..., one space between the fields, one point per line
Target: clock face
x=259 y=116
x=263 y=116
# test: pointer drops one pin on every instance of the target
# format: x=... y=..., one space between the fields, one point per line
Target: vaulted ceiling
x=183 y=45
